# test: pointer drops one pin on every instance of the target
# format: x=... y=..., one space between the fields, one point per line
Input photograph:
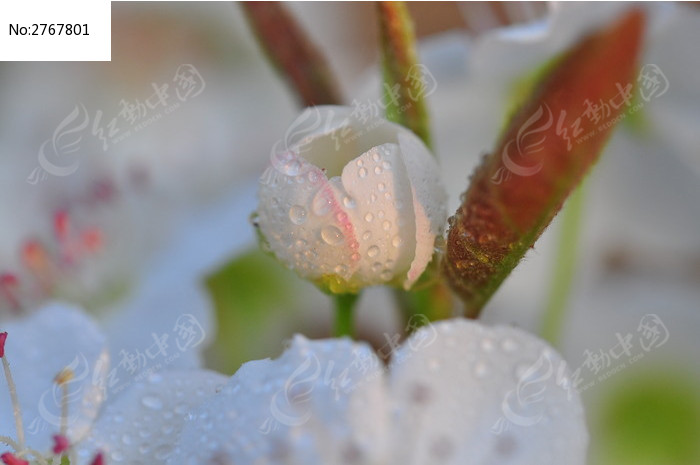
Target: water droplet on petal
x=297 y=214
x=331 y=235
x=341 y=269
x=373 y=251
x=152 y=402
x=386 y=225
x=367 y=235
x=321 y=204
x=480 y=369
x=369 y=217
x=381 y=187
x=349 y=202
x=396 y=241
x=362 y=172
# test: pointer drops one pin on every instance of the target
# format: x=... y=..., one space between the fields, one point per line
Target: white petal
x=368 y=208
x=321 y=402
x=383 y=216
x=162 y=304
x=40 y=347
x=470 y=394
x=429 y=201
x=300 y=217
x=141 y=425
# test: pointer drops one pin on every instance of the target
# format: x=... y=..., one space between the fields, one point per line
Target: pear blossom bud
x=350 y=200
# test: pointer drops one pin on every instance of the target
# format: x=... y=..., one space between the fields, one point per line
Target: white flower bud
x=350 y=201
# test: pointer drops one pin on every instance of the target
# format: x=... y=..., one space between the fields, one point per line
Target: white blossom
x=350 y=200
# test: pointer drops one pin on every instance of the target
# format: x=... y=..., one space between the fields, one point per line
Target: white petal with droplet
x=140 y=425
x=351 y=196
x=465 y=393
x=429 y=201
x=321 y=402
x=38 y=348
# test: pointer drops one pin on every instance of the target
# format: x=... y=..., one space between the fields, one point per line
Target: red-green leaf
x=544 y=153
x=404 y=78
x=292 y=53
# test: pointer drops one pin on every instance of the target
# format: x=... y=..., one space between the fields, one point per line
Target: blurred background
x=111 y=171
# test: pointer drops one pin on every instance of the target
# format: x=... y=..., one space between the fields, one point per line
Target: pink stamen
x=8 y=287
x=36 y=258
x=10 y=459
x=98 y=460
x=91 y=240
x=61 y=225
x=60 y=444
x=3 y=338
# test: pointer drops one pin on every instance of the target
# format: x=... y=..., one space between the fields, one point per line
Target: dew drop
x=321 y=204
x=331 y=235
x=341 y=269
x=481 y=369
x=349 y=202
x=152 y=402
x=396 y=241
x=362 y=172
x=378 y=170
x=375 y=156
x=369 y=217
x=163 y=451
x=487 y=345
x=381 y=187
x=509 y=345
x=367 y=235
x=297 y=214
x=291 y=168
x=373 y=251
x=386 y=225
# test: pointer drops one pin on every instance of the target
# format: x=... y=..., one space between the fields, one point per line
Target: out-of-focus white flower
x=456 y=392
x=57 y=337
x=351 y=200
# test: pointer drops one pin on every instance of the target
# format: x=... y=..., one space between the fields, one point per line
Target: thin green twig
x=564 y=270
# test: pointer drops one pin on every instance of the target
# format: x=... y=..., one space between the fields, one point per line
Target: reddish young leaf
x=292 y=53
x=544 y=153
x=404 y=78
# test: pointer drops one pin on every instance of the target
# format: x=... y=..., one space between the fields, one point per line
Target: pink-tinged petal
x=429 y=202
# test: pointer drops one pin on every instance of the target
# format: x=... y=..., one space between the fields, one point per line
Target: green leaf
x=404 y=90
x=404 y=86
x=252 y=294
x=292 y=53
x=650 y=418
x=543 y=155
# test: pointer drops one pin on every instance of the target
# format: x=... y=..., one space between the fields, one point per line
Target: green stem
x=564 y=267
x=344 y=309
